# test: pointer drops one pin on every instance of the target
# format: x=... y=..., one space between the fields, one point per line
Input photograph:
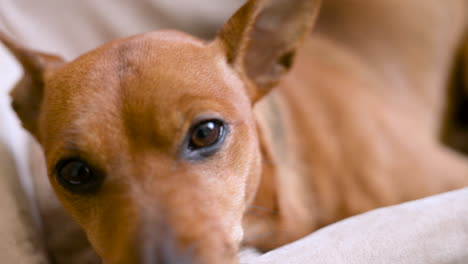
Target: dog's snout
x=163 y=252
x=158 y=245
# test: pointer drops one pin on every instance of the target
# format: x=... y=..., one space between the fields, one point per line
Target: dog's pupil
x=205 y=134
x=76 y=173
x=206 y=130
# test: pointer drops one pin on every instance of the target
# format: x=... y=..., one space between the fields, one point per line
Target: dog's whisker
x=261 y=209
x=258 y=237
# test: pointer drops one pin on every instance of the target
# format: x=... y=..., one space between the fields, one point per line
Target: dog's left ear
x=28 y=92
x=261 y=39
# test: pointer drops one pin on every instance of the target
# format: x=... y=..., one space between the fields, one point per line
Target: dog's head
x=150 y=141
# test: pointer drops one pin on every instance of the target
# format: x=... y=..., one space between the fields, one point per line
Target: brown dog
x=153 y=145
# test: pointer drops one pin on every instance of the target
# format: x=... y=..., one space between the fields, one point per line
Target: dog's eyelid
x=69 y=145
x=205 y=116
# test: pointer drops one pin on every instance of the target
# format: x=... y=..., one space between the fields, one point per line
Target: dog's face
x=152 y=130
x=150 y=141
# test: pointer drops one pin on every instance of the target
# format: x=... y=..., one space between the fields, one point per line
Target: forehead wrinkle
x=130 y=57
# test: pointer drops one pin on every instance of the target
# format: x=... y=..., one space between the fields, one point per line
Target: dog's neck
x=282 y=197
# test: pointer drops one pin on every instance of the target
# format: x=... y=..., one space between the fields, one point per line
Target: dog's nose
x=164 y=252
x=158 y=245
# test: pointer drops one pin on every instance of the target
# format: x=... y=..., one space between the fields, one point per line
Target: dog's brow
x=70 y=145
x=70 y=140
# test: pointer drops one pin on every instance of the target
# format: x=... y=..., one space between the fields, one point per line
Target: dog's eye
x=76 y=176
x=206 y=133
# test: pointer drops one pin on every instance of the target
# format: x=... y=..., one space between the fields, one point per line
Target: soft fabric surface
x=19 y=240
x=428 y=231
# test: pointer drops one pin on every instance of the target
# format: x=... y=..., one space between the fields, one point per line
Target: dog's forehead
x=154 y=78
x=155 y=57
x=161 y=64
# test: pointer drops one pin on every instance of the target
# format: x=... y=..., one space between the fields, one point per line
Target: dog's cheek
x=253 y=178
x=252 y=170
x=253 y=162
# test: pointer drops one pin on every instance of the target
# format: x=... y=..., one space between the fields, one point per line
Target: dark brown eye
x=206 y=134
x=76 y=176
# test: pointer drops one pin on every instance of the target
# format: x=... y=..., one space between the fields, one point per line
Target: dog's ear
x=28 y=92
x=260 y=40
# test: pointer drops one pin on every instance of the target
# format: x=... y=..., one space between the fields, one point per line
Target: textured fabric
x=19 y=240
x=428 y=231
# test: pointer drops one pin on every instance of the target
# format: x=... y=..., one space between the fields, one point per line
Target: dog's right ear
x=28 y=92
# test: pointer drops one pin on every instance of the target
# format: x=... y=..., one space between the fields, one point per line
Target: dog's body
x=357 y=122
x=353 y=126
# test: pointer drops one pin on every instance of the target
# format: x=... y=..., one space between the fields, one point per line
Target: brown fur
x=352 y=127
